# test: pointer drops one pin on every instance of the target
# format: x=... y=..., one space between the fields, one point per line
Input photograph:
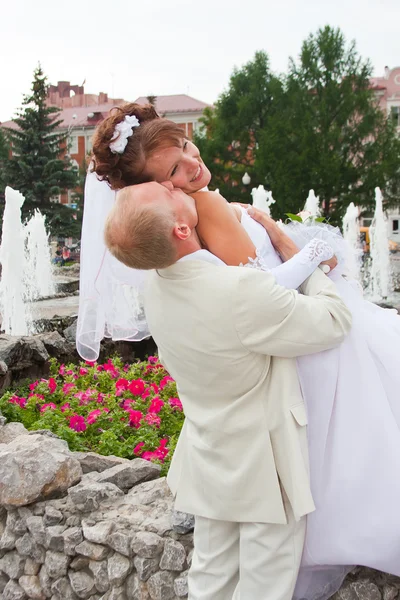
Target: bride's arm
x=222 y=234
x=220 y=231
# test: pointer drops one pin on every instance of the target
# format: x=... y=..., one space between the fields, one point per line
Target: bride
x=351 y=392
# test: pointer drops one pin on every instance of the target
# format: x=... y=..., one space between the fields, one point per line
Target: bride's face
x=182 y=166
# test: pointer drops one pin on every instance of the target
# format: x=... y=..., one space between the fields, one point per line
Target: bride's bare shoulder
x=213 y=205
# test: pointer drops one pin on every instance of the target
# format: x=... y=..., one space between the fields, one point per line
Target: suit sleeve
x=272 y=320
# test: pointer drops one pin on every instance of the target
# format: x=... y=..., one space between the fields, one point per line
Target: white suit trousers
x=245 y=561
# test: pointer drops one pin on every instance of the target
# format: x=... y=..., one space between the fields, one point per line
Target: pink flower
x=100 y=397
x=52 y=385
x=77 y=423
x=175 y=403
x=17 y=400
x=136 y=387
x=65 y=407
x=138 y=449
x=90 y=363
x=135 y=416
x=67 y=387
x=61 y=370
x=152 y=419
x=48 y=405
x=93 y=415
x=156 y=405
x=159 y=454
x=126 y=404
x=33 y=385
x=153 y=360
x=100 y=368
x=83 y=371
x=122 y=384
x=37 y=396
x=165 y=381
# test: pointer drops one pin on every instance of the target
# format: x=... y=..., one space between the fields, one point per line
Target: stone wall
x=79 y=525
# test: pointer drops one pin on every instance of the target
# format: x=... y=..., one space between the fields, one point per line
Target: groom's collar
x=189 y=263
x=202 y=255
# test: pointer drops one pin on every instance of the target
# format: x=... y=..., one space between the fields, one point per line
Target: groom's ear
x=182 y=231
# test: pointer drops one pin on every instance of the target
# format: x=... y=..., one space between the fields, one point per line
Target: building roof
x=78 y=116
x=176 y=103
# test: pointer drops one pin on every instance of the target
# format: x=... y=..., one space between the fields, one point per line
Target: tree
x=328 y=132
x=39 y=167
x=233 y=128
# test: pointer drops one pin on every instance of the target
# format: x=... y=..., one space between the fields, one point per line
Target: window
x=395 y=225
x=395 y=114
x=88 y=143
x=73 y=144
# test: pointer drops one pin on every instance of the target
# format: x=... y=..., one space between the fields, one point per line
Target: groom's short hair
x=139 y=233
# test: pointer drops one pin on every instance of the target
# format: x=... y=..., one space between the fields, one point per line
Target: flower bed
x=111 y=408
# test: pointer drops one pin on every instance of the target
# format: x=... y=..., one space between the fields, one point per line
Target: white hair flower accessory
x=122 y=132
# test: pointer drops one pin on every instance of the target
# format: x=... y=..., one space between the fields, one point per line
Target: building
x=81 y=113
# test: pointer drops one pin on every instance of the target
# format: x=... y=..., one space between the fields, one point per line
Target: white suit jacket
x=229 y=337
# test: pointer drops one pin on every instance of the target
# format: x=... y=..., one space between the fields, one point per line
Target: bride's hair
x=128 y=168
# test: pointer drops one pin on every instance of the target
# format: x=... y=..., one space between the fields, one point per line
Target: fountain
x=262 y=199
x=38 y=259
x=312 y=205
x=25 y=266
x=351 y=233
x=380 y=273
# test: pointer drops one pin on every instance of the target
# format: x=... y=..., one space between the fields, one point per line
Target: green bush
x=111 y=408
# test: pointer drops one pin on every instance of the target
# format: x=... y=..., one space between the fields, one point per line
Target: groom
x=229 y=337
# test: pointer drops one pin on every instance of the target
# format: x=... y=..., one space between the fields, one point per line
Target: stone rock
x=161 y=586
x=190 y=557
x=145 y=567
x=26 y=546
x=70 y=332
x=116 y=593
x=31 y=567
x=82 y=583
x=45 y=432
x=127 y=475
x=92 y=551
x=98 y=533
x=3 y=368
x=90 y=461
x=182 y=522
x=366 y=590
x=31 y=586
x=55 y=538
x=12 y=565
x=45 y=581
x=63 y=589
x=149 y=492
x=52 y=516
x=390 y=592
x=19 y=353
x=56 y=564
x=100 y=574
x=13 y=591
x=53 y=342
x=36 y=528
x=7 y=540
x=147 y=544
x=10 y=431
x=73 y=521
x=121 y=542
x=174 y=556
x=88 y=496
x=181 y=585
x=3 y=582
x=32 y=467
x=72 y=538
x=79 y=563
x=118 y=568
x=136 y=589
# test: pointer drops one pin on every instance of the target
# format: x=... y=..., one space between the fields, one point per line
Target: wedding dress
x=352 y=394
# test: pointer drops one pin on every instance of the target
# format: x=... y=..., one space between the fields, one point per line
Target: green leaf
x=294 y=217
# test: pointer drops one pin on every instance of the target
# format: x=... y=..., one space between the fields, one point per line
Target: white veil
x=110 y=296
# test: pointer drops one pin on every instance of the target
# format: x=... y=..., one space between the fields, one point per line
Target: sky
x=137 y=48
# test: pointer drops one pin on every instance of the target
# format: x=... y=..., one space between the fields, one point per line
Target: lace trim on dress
x=314 y=253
